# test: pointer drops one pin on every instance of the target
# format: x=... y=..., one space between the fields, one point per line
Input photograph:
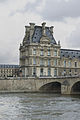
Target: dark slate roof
x=8 y=66
x=70 y=53
x=38 y=34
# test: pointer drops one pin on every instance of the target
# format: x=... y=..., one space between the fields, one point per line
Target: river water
x=38 y=106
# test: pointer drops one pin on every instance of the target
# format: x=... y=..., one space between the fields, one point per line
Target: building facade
x=9 y=70
x=42 y=56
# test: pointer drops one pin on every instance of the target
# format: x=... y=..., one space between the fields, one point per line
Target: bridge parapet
x=35 y=77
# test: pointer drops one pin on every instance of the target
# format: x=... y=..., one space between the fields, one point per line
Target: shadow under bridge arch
x=76 y=88
x=53 y=87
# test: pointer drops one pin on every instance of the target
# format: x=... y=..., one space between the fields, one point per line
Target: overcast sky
x=64 y=15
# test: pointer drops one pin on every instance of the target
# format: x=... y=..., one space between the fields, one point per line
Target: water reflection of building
x=41 y=55
x=9 y=70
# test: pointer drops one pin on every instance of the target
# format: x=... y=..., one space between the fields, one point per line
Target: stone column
x=65 y=87
x=25 y=71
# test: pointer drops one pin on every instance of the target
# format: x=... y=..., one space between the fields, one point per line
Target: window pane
x=48 y=52
x=41 y=62
x=34 y=71
x=55 y=53
x=69 y=63
x=55 y=72
x=55 y=62
x=34 y=61
x=49 y=71
x=41 y=72
x=49 y=62
x=41 y=53
x=34 y=51
x=75 y=70
x=64 y=63
x=75 y=64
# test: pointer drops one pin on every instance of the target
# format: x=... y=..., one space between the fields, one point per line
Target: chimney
x=32 y=25
x=51 y=29
x=27 y=29
x=43 y=29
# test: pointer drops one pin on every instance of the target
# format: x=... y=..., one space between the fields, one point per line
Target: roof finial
x=43 y=29
x=51 y=29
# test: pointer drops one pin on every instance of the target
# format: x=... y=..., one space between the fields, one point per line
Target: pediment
x=45 y=40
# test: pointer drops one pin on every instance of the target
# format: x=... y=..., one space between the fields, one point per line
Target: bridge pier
x=65 y=89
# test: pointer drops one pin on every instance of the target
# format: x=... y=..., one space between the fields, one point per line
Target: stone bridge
x=63 y=85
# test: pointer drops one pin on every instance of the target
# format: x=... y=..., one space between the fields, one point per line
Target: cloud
x=30 y=6
x=74 y=38
x=58 y=10
x=15 y=14
x=52 y=10
x=12 y=30
x=1 y=1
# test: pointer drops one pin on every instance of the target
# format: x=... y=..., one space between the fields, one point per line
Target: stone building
x=42 y=56
x=9 y=70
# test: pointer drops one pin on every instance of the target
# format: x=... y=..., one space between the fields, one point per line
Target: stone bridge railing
x=57 y=77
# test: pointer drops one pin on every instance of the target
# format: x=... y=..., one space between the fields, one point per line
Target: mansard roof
x=68 y=53
x=8 y=66
x=38 y=34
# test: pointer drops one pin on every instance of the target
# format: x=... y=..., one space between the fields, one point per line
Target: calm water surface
x=38 y=106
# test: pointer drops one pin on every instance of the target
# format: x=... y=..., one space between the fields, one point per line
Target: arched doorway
x=53 y=87
x=76 y=88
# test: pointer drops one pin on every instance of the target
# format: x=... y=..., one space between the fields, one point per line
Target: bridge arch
x=51 y=87
x=75 y=89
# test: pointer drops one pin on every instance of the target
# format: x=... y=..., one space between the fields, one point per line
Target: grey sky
x=15 y=14
x=1 y=1
x=60 y=9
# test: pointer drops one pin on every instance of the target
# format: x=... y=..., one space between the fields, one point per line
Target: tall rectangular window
x=75 y=64
x=55 y=52
x=34 y=61
x=41 y=72
x=69 y=63
x=55 y=62
x=34 y=71
x=75 y=70
x=34 y=51
x=69 y=70
x=48 y=52
x=64 y=63
x=55 y=72
x=41 y=52
x=49 y=62
x=49 y=71
x=64 y=72
x=41 y=61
